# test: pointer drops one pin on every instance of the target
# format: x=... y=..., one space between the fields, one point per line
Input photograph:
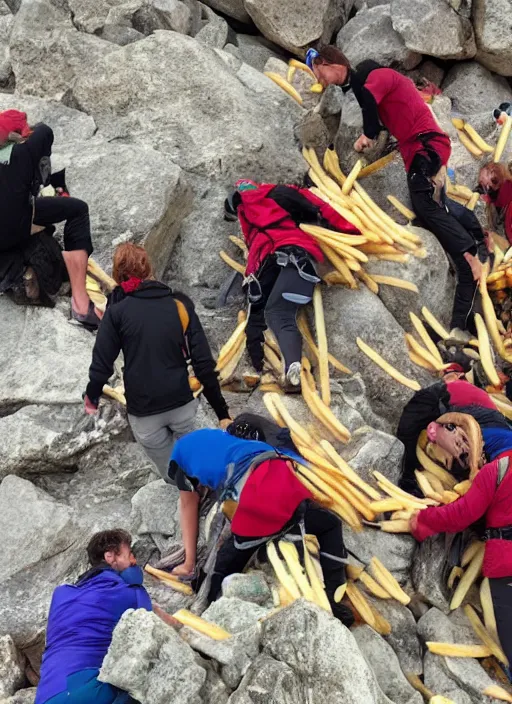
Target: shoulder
x=183 y=298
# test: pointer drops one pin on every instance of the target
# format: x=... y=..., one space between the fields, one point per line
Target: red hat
x=453 y=367
x=13 y=121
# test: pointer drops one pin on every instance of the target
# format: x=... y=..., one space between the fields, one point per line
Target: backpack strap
x=183 y=313
x=503 y=465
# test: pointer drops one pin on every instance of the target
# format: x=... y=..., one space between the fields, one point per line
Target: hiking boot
x=31 y=284
x=293 y=374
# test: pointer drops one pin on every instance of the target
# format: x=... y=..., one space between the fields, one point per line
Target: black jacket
x=28 y=169
x=357 y=78
x=145 y=325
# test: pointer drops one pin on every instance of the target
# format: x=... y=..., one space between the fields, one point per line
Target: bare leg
x=189 y=519
x=76 y=264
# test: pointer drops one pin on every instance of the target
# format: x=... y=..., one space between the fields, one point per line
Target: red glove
x=89 y=407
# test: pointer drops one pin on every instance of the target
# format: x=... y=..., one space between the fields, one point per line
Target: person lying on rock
x=495 y=180
x=490 y=496
x=391 y=101
x=271 y=500
x=158 y=332
x=82 y=619
x=281 y=265
x=452 y=392
x=24 y=168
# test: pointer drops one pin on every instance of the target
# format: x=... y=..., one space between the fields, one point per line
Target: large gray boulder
x=370 y=35
x=22 y=696
x=436 y=626
x=351 y=314
x=428 y=573
x=322 y=653
x=233 y=614
x=372 y=450
x=493 y=25
x=269 y=680
x=43 y=358
x=434 y=27
x=6 y=75
x=109 y=177
x=178 y=112
x=149 y=660
x=403 y=637
x=437 y=680
x=295 y=26
x=384 y=663
x=154 y=509
x=12 y=671
x=473 y=89
x=43 y=35
x=214 y=32
x=232 y=8
x=394 y=550
x=255 y=50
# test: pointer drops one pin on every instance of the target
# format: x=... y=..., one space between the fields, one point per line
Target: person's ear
x=109 y=557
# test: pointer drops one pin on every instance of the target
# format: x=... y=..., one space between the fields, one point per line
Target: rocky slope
x=157 y=107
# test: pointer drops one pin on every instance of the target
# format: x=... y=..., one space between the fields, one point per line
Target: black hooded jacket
x=145 y=325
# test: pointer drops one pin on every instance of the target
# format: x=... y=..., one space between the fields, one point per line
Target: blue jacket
x=81 y=621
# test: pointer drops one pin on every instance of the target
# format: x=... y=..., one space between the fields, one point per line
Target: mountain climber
x=490 y=495
x=24 y=168
x=158 y=332
x=390 y=100
x=82 y=619
x=271 y=502
x=281 y=266
x=453 y=392
x=495 y=180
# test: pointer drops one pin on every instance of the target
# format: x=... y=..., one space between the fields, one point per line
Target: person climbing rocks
x=158 y=332
x=281 y=270
x=271 y=500
x=24 y=168
x=495 y=180
x=452 y=393
x=391 y=101
x=490 y=495
x=82 y=619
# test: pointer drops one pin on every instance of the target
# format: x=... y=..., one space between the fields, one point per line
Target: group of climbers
x=250 y=460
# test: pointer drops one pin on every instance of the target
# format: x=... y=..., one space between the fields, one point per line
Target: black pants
x=456 y=229
x=328 y=529
x=276 y=312
x=501 y=592
x=75 y=212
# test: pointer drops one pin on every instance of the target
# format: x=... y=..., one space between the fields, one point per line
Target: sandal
x=90 y=320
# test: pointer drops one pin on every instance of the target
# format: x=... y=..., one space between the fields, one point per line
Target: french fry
x=340 y=593
x=468 y=578
x=471 y=205
x=230 y=347
x=484 y=349
x=385 y=366
x=427 y=463
x=169 y=579
x=351 y=178
x=385 y=505
x=308 y=337
x=393 y=281
x=456 y=573
x=435 y=324
x=420 y=351
x=387 y=581
x=377 y=165
x=488 y=609
x=483 y=634
x=462 y=488
x=227 y=371
x=231 y=262
x=496 y=692
x=95 y=270
x=397 y=526
x=284 y=577
x=470 y=552
x=503 y=139
x=283 y=83
x=425 y=337
x=323 y=359
x=456 y=650
x=291 y=557
x=238 y=242
x=368 y=281
x=318 y=408
x=337 y=237
x=292 y=424
x=271 y=408
x=347 y=470
x=199 y=624
x=340 y=265
x=317 y=586
x=366 y=610
x=469 y=144
x=401 y=208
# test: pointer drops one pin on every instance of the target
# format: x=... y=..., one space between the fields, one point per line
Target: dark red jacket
x=404 y=113
x=504 y=200
x=482 y=499
x=267 y=226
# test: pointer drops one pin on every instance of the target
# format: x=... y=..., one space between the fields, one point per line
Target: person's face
x=486 y=180
x=121 y=560
x=450 y=438
x=330 y=74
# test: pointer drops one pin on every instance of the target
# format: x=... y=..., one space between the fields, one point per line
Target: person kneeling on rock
x=82 y=619
x=272 y=502
x=281 y=265
x=158 y=332
x=24 y=169
x=391 y=101
x=489 y=496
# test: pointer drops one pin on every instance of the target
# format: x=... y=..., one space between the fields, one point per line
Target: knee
x=82 y=209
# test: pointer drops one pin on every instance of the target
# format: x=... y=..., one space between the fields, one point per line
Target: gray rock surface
x=373 y=28
x=492 y=24
x=322 y=653
x=372 y=450
x=22 y=696
x=214 y=33
x=403 y=637
x=295 y=26
x=232 y=8
x=436 y=626
x=439 y=681
x=154 y=508
x=269 y=680
x=433 y=27
x=256 y=51
x=252 y=587
x=12 y=671
x=233 y=614
x=393 y=549
x=473 y=89
x=384 y=663
x=427 y=573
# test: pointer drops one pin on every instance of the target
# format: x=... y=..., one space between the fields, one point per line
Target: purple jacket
x=81 y=621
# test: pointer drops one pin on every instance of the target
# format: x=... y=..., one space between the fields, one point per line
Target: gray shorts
x=157 y=434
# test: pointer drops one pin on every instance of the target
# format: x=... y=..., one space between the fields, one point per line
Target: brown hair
x=106 y=541
x=473 y=433
x=131 y=260
x=331 y=55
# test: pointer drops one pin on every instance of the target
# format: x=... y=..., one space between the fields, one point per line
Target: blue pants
x=84 y=688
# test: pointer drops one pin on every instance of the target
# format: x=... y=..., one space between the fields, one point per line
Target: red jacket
x=504 y=200
x=266 y=226
x=482 y=498
x=463 y=393
x=404 y=113
x=268 y=500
